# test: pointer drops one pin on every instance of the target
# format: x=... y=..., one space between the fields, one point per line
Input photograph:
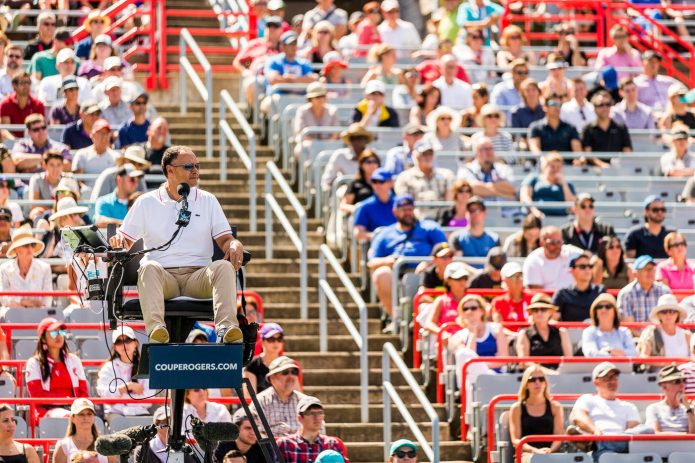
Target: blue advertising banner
x=186 y=366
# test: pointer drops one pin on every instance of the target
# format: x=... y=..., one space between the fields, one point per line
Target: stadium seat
x=54 y=428
x=23 y=349
x=629 y=458
x=562 y=458
x=119 y=422
x=681 y=457
x=94 y=349
x=7 y=388
x=24 y=315
x=22 y=428
x=664 y=448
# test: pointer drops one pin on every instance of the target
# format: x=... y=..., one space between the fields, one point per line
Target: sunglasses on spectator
x=676 y=381
x=536 y=379
x=475 y=210
x=23 y=82
x=602 y=105
x=324 y=31
x=605 y=307
x=39 y=128
x=614 y=246
x=371 y=161
x=378 y=182
x=567 y=32
x=553 y=242
x=521 y=73
x=14 y=56
x=464 y=190
x=373 y=11
x=516 y=276
x=583 y=266
x=122 y=341
x=445 y=118
x=515 y=37
x=620 y=36
x=196 y=390
x=273 y=25
x=404 y=454
x=477 y=36
x=293 y=372
x=538 y=310
x=677 y=244
x=554 y=103
x=493 y=116
x=669 y=311
x=315 y=413
x=55 y=333
x=275 y=339
x=139 y=103
x=97 y=21
x=658 y=209
x=470 y=308
x=48 y=24
x=189 y=166
x=586 y=206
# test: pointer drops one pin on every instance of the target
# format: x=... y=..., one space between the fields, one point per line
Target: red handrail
x=621 y=437
x=507 y=397
x=464 y=370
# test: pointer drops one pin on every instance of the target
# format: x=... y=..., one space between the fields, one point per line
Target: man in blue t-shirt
x=287 y=67
x=113 y=207
x=475 y=241
x=135 y=130
x=377 y=210
x=406 y=237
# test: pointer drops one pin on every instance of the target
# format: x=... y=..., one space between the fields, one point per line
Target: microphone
x=114 y=444
x=207 y=433
x=139 y=434
x=183 y=189
x=184 y=217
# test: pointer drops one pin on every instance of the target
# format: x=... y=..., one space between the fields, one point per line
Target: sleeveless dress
x=19 y=458
x=537 y=425
x=69 y=448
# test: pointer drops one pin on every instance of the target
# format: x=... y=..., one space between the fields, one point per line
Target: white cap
x=112 y=62
x=103 y=38
x=456 y=271
x=122 y=331
x=112 y=81
x=374 y=86
x=602 y=369
x=388 y=5
x=510 y=268
x=64 y=55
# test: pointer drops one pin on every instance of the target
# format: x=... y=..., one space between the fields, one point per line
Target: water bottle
x=92 y=271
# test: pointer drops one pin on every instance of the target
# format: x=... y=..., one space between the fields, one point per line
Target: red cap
x=49 y=324
x=339 y=63
x=100 y=124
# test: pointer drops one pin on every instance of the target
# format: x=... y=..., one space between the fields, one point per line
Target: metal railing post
x=208 y=111
x=183 y=97
x=268 y=218
x=386 y=378
x=204 y=89
x=323 y=329
x=303 y=272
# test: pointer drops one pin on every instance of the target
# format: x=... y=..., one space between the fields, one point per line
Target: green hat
x=402 y=443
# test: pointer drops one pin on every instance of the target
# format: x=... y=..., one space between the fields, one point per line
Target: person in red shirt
x=431 y=69
x=15 y=108
x=511 y=306
x=53 y=371
x=366 y=31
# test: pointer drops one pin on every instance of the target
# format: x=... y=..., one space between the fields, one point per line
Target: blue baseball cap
x=403 y=200
x=381 y=174
x=610 y=77
x=329 y=456
x=649 y=200
x=577 y=257
x=642 y=261
x=402 y=443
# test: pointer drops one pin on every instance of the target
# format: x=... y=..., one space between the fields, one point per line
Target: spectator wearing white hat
x=279 y=402
x=396 y=32
x=443 y=123
x=100 y=50
x=114 y=66
x=602 y=413
x=81 y=433
x=23 y=272
x=456 y=93
x=67 y=214
x=117 y=375
x=113 y=108
x=444 y=309
x=50 y=87
x=43 y=63
x=66 y=111
x=315 y=113
x=372 y=110
x=511 y=306
x=308 y=441
x=674 y=413
x=666 y=338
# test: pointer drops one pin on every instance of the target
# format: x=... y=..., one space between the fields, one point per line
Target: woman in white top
x=116 y=377
x=24 y=273
x=443 y=123
x=17 y=216
x=665 y=339
x=197 y=405
x=81 y=434
x=491 y=118
x=605 y=337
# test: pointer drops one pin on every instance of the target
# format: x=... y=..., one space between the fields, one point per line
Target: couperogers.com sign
x=186 y=366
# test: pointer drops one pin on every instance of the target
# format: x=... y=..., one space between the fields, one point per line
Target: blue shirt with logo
x=280 y=64
x=372 y=213
x=416 y=242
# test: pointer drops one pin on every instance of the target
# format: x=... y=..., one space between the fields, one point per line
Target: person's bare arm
x=583 y=421
x=102 y=221
x=377 y=262
x=361 y=234
x=576 y=146
x=566 y=343
x=430 y=324
x=631 y=253
x=558 y=425
x=534 y=145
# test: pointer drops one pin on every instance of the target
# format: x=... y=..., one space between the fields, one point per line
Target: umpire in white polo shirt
x=186 y=267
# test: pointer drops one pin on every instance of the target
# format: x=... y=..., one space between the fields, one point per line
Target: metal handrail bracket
x=390 y=394
x=248 y=159
x=299 y=240
x=360 y=337
x=204 y=89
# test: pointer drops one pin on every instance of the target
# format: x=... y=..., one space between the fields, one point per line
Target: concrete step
x=290 y=295
x=374 y=432
x=339 y=343
x=348 y=413
x=335 y=360
x=288 y=308
x=351 y=376
x=370 y=451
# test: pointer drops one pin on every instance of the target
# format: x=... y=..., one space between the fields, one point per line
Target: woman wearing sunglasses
x=610 y=268
x=401 y=451
x=673 y=414
x=676 y=271
x=273 y=342
x=197 y=405
x=605 y=337
x=360 y=188
x=542 y=339
x=666 y=339
x=53 y=371
x=535 y=413
x=13 y=451
x=81 y=434
x=117 y=375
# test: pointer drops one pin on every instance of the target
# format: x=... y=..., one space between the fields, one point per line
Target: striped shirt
x=281 y=415
x=633 y=301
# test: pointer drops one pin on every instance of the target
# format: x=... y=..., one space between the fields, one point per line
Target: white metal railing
x=390 y=394
x=360 y=337
x=204 y=89
x=299 y=240
x=248 y=159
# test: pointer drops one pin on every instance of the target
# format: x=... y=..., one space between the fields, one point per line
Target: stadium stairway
x=331 y=376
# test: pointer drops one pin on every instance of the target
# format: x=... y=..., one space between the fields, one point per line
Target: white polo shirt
x=458 y=95
x=153 y=218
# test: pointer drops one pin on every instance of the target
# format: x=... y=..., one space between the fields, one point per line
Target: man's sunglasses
x=188 y=166
x=404 y=454
x=293 y=372
x=38 y=129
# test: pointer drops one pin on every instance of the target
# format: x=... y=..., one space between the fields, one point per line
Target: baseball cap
x=642 y=261
x=581 y=197
x=81 y=404
x=649 y=54
x=679 y=134
x=442 y=249
x=122 y=330
x=112 y=82
x=329 y=456
x=69 y=82
x=403 y=200
x=49 y=324
x=422 y=146
x=381 y=174
x=161 y=414
x=100 y=124
x=5 y=213
x=288 y=37
x=268 y=330
x=130 y=171
x=574 y=259
x=112 y=62
x=555 y=65
x=64 y=35
x=137 y=96
x=455 y=271
x=476 y=200
x=103 y=39
x=64 y=55
x=388 y=5
x=375 y=86
x=414 y=129
x=603 y=369
x=402 y=443
x=306 y=402
x=677 y=89
x=496 y=257
x=649 y=200
x=274 y=20
x=274 y=5
x=511 y=268
x=90 y=107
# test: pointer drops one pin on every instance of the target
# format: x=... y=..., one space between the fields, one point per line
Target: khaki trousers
x=157 y=284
